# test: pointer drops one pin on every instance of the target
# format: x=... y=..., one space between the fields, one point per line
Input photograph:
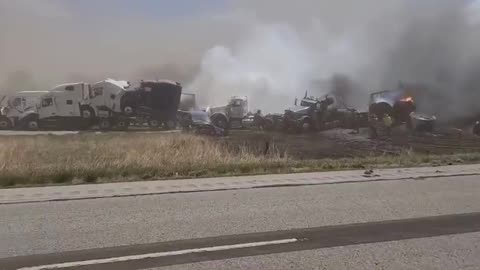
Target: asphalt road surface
x=405 y=224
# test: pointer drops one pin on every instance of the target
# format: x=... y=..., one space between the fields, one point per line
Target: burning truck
x=400 y=107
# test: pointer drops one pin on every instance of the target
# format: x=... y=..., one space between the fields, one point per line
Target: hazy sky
x=52 y=38
x=272 y=50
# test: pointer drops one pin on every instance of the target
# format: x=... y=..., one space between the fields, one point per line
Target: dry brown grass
x=35 y=160
x=41 y=159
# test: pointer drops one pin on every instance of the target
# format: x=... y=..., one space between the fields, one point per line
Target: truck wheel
x=32 y=124
x=86 y=113
x=153 y=123
x=5 y=123
x=122 y=124
x=307 y=125
x=128 y=110
x=105 y=124
x=220 y=121
x=88 y=117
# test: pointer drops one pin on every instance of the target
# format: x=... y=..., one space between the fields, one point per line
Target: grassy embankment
x=89 y=158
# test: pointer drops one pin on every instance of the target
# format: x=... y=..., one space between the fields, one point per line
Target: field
x=131 y=156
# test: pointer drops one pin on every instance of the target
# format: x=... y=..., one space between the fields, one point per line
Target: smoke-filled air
x=269 y=50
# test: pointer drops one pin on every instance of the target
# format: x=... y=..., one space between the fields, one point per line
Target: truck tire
x=307 y=125
x=105 y=124
x=128 y=110
x=5 y=123
x=122 y=124
x=220 y=121
x=154 y=123
x=88 y=117
x=32 y=124
x=87 y=112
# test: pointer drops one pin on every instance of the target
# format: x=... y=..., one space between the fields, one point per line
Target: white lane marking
x=158 y=254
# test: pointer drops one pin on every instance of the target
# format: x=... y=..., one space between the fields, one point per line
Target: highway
x=429 y=223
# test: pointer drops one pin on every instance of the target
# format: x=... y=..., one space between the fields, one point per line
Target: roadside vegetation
x=93 y=158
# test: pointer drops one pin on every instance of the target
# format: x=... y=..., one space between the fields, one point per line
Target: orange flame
x=407 y=99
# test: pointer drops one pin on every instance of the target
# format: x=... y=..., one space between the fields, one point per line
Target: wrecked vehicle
x=231 y=115
x=393 y=103
x=315 y=114
x=66 y=106
x=20 y=110
x=81 y=106
x=153 y=102
x=311 y=115
x=256 y=120
x=400 y=106
x=188 y=102
x=422 y=122
x=107 y=103
x=199 y=122
x=350 y=118
x=105 y=99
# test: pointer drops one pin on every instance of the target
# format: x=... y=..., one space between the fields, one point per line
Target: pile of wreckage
x=112 y=104
x=386 y=111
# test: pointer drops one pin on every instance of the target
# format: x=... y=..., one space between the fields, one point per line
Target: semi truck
x=400 y=106
x=153 y=102
x=231 y=115
x=318 y=114
x=108 y=104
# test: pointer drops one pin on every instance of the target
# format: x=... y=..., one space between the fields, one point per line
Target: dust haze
x=271 y=51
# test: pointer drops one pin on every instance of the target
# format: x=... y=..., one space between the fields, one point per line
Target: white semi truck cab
x=80 y=105
x=230 y=115
x=66 y=106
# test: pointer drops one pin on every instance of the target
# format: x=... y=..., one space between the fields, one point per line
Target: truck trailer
x=108 y=104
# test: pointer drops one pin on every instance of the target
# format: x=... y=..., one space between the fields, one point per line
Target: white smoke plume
x=270 y=63
x=358 y=47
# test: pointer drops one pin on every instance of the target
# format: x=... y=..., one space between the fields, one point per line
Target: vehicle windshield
x=200 y=117
x=47 y=102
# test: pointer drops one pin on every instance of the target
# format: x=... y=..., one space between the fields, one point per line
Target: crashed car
x=199 y=122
